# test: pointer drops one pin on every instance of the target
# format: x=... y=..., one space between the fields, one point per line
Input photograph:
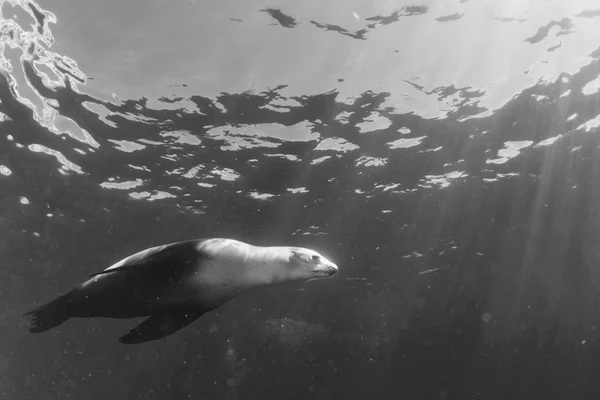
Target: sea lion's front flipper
x=160 y=325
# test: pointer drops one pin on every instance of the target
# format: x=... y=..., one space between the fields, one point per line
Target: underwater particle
x=293 y=333
x=4 y=170
x=486 y=317
x=23 y=200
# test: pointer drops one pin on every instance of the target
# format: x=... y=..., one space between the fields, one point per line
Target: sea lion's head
x=254 y=266
x=306 y=264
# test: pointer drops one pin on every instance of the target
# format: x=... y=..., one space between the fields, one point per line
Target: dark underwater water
x=464 y=215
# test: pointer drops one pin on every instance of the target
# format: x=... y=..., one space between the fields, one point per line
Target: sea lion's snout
x=326 y=269
x=312 y=263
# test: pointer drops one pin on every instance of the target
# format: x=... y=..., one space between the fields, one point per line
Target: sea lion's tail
x=49 y=315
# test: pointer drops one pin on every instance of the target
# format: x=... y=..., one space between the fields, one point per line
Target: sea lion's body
x=176 y=283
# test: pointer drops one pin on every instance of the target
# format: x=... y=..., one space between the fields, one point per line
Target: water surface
x=443 y=154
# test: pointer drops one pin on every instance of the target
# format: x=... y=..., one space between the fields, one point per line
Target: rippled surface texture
x=445 y=154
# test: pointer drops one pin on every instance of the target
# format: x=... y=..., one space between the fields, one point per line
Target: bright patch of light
x=226 y=174
x=549 y=141
x=442 y=181
x=127 y=146
x=157 y=195
x=371 y=161
x=374 y=122
x=183 y=137
x=405 y=143
x=336 y=144
x=511 y=149
x=591 y=87
x=319 y=160
x=590 y=124
x=260 y=196
x=298 y=190
x=121 y=185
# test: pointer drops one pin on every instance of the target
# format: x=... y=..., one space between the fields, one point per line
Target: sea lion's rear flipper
x=50 y=315
x=174 y=255
x=160 y=325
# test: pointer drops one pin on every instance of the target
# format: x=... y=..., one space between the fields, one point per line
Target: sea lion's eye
x=316 y=257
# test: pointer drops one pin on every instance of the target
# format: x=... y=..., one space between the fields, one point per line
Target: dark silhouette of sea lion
x=176 y=283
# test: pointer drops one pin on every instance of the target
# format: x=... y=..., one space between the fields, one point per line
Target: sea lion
x=175 y=284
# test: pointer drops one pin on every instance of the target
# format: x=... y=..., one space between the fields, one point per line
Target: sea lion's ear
x=295 y=254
